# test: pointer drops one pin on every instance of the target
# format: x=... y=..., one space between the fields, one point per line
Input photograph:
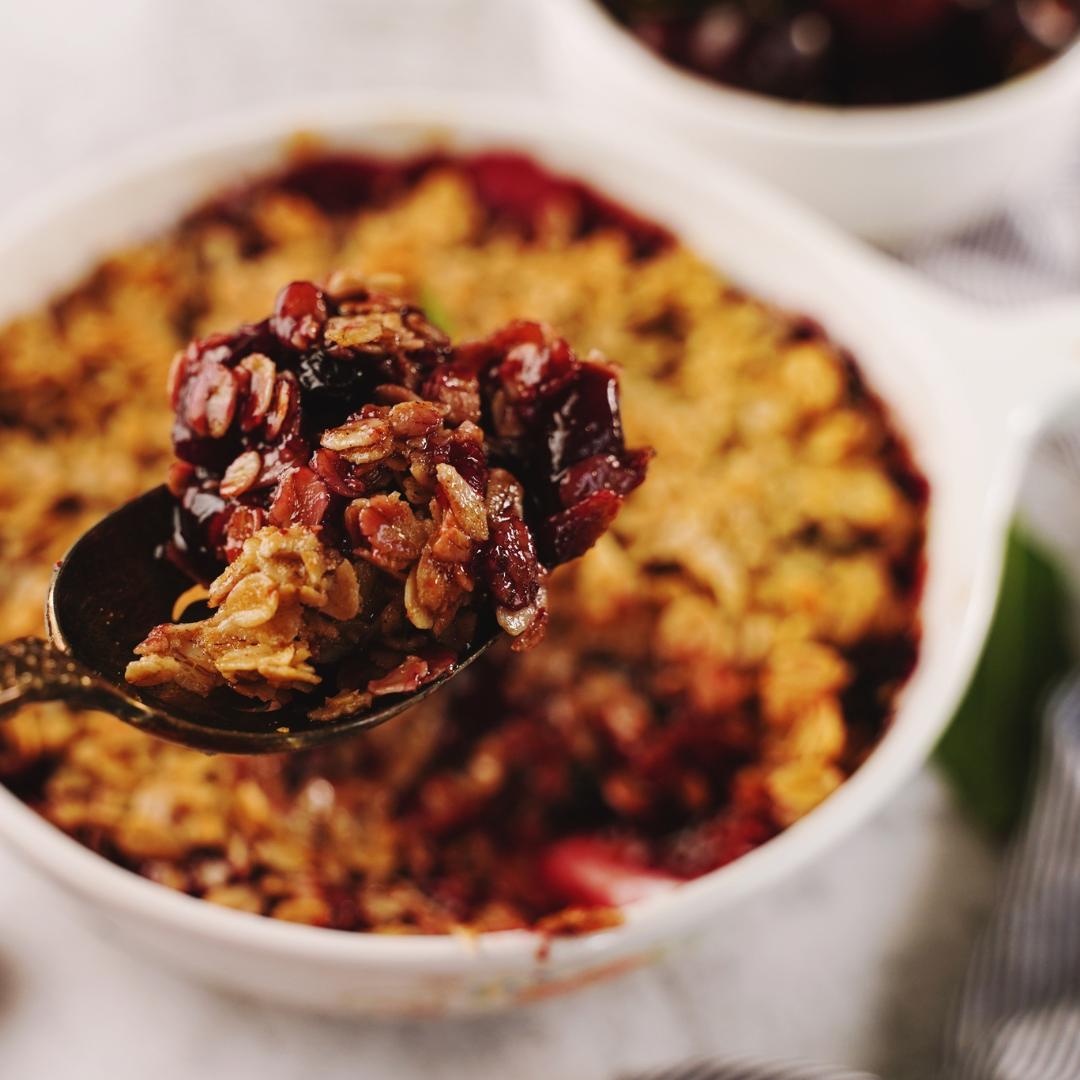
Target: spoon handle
x=32 y=669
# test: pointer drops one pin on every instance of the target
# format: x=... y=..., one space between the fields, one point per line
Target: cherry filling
x=514 y=193
x=288 y=420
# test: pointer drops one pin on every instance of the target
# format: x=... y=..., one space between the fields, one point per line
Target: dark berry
x=334 y=387
x=586 y=420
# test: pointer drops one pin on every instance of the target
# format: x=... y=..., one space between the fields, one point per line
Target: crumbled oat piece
x=284 y=591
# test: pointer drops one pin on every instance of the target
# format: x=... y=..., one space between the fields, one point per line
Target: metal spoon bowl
x=106 y=594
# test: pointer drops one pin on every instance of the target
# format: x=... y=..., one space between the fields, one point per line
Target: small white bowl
x=887 y=174
x=952 y=378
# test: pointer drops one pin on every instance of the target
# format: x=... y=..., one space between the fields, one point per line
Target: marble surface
x=852 y=961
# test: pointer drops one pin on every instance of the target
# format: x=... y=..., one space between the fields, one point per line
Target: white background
x=852 y=961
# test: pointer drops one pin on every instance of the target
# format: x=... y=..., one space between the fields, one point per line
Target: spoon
x=109 y=590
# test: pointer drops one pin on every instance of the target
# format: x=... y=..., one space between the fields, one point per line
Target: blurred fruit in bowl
x=854 y=52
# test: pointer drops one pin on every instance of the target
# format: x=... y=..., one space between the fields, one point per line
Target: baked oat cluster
x=332 y=456
x=715 y=666
x=285 y=601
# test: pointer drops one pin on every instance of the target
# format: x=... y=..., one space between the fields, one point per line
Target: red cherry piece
x=406 y=678
x=299 y=315
x=603 y=472
x=570 y=533
x=510 y=562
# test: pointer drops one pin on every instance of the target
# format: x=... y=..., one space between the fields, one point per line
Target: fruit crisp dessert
x=331 y=460
x=725 y=655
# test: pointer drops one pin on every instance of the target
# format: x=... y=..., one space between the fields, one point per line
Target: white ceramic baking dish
x=964 y=385
x=888 y=174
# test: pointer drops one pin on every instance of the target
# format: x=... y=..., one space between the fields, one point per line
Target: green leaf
x=989 y=749
x=436 y=311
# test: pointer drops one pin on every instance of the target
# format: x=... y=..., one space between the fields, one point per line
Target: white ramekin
x=888 y=174
x=953 y=378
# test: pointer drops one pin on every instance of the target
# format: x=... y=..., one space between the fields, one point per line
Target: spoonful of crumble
x=358 y=509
